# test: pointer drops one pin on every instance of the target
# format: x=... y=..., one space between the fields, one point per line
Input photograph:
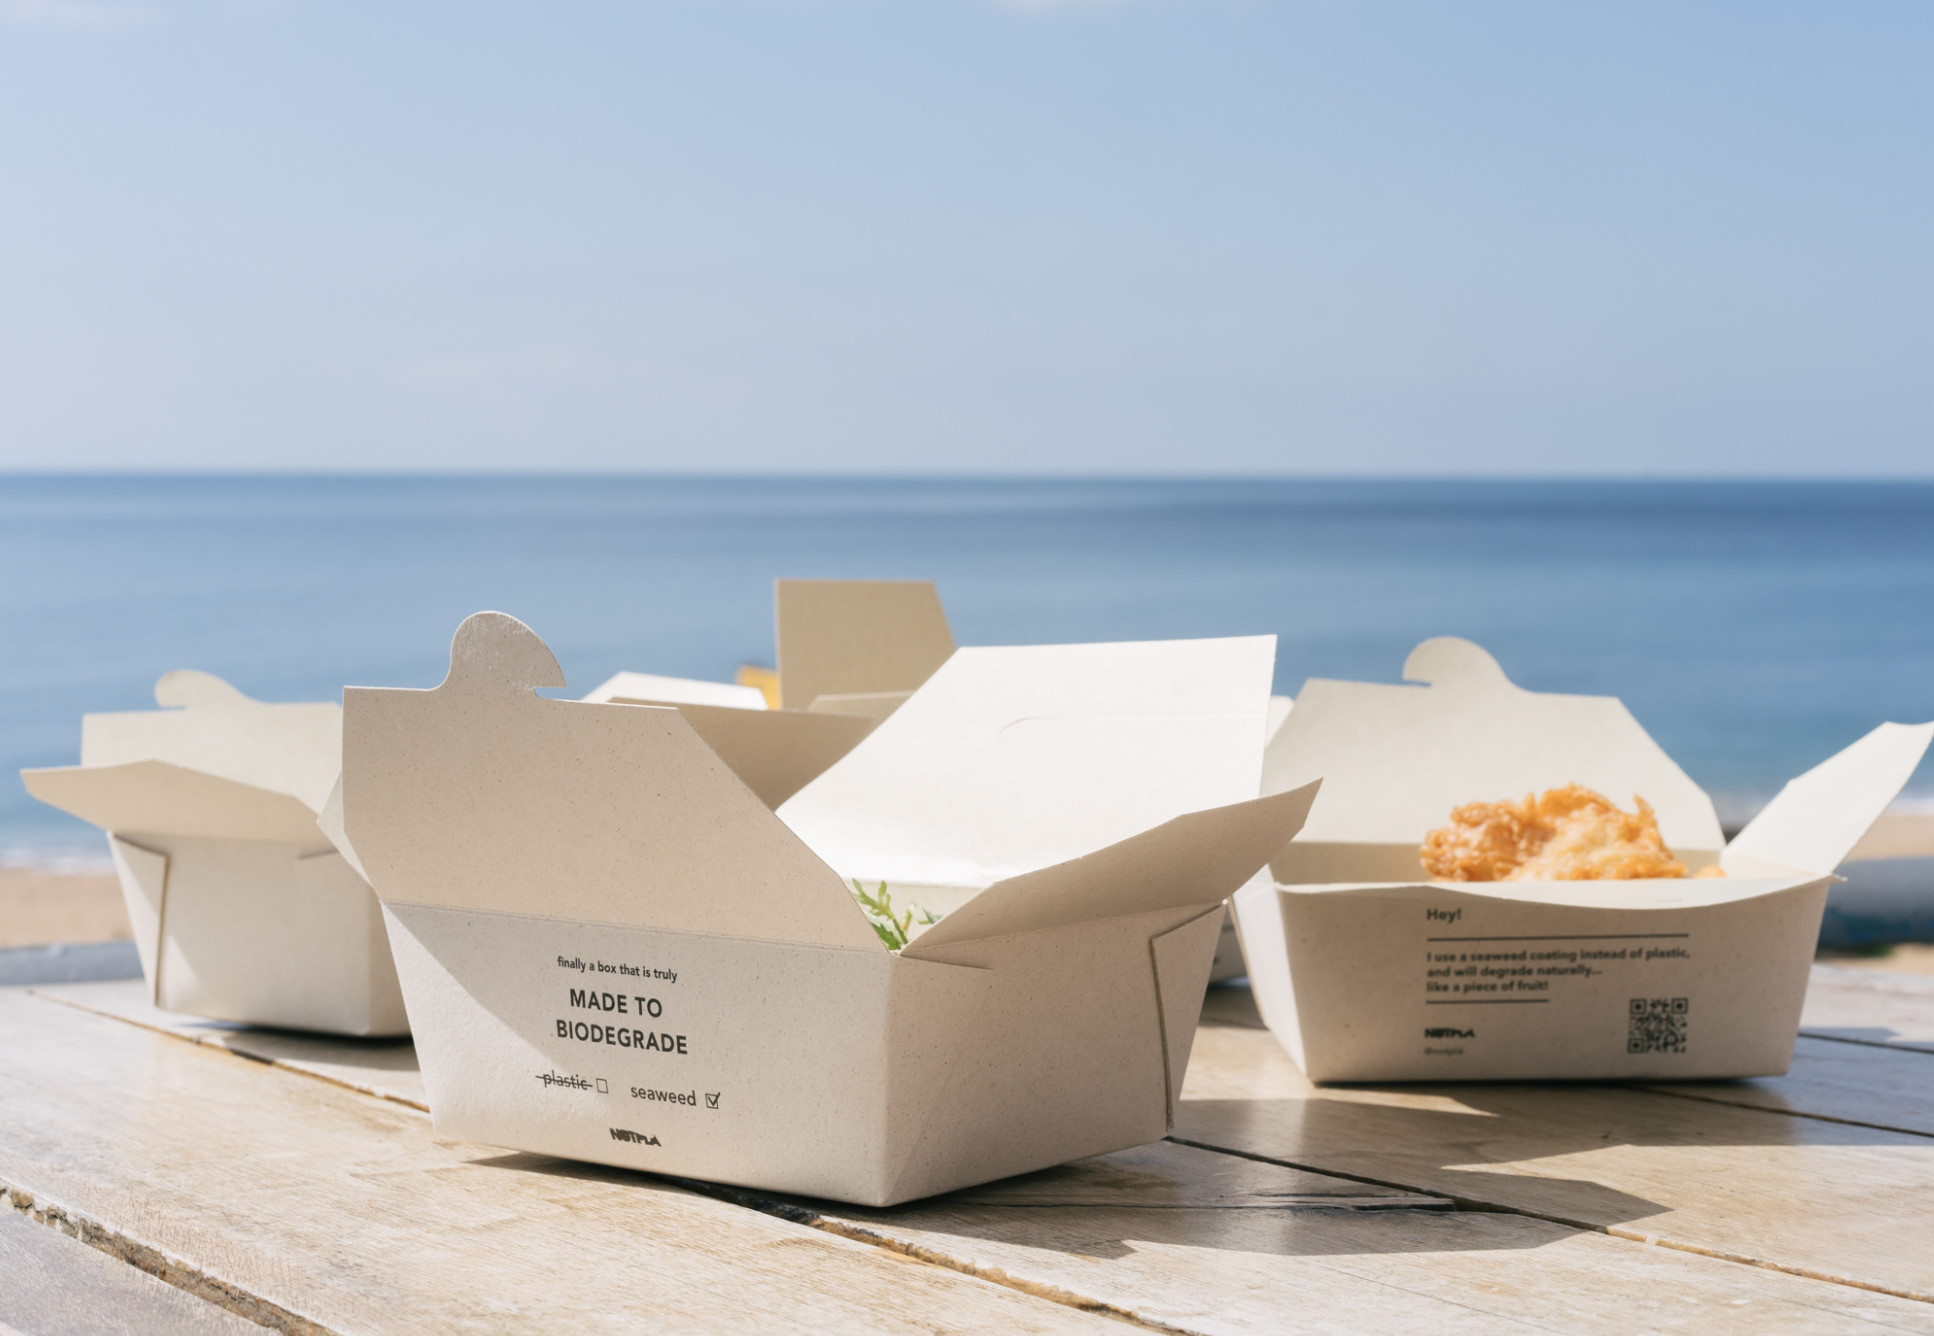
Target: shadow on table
x=1107 y=1218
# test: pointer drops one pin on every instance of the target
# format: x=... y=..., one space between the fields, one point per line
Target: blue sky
x=939 y=235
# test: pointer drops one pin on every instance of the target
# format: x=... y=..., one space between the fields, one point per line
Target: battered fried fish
x=1568 y=834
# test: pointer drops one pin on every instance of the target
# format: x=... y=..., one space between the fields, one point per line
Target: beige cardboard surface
x=1138 y=874
x=482 y=754
x=271 y=934
x=860 y=704
x=144 y=886
x=155 y=797
x=1434 y=982
x=612 y=950
x=651 y=689
x=849 y=634
x=207 y=725
x=1014 y=758
x=776 y=752
x=1394 y=760
x=1365 y=971
x=842 y=637
x=1279 y=708
x=240 y=908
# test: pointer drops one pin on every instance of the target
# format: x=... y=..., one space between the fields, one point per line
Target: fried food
x=1568 y=834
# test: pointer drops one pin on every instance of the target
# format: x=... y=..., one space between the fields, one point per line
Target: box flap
x=157 y=798
x=206 y=724
x=1818 y=818
x=874 y=705
x=1394 y=760
x=1200 y=858
x=841 y=637
x=329 y=822
x=481 y=795
x=1279 y=708
x=776 y=752
x=1018 y=758
x=651 y=689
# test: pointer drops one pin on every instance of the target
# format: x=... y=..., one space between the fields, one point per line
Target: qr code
x=1656 y=1025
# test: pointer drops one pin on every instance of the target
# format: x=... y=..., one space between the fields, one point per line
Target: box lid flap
x=159 y=798
x=1014 y=759
x=845 y=637
x=1394 y=760
x=1196 y=859
x=776 y=752
x=1818 y=818
x=651 y=689
x=479 y=794
x=206 y=724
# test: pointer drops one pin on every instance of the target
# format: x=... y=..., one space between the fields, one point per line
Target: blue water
x=1753 y=628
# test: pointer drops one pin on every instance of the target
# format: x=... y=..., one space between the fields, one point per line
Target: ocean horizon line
x=1468 y=478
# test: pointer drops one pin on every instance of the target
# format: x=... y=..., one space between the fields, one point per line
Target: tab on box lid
x=208 y=725
x=1394 y=760
x=1817 y=819
x=479 y=794
x=1016 y=758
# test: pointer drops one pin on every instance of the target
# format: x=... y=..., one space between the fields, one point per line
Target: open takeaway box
x=849 y=652
x=1366 y=971
x=613 y=950
x=242 y=909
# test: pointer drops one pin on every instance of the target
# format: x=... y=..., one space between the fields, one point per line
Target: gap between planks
x=176 y=1271
x=1790 y=1113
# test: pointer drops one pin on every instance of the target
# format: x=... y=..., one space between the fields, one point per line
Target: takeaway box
x=614 y=951
x=849 y=652
x=1366 y=971
x=242 y=909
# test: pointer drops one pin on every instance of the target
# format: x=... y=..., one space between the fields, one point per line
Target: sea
x=1753 y=627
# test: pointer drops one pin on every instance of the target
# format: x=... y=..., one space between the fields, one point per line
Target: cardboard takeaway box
x=614 y=951
x=242 y=909
x=1365 y=971
x=849 y=652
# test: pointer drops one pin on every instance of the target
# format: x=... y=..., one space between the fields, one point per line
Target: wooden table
x=295 y=1181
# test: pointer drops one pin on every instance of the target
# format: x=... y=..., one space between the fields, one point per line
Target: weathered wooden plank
x=1168 y=1176
x=1870 y=1007
x=1810 y=1195
x=1290 y=1269
x=52 y=1285
x=329 y=1208
x=1868 y=1084
x=1242 y=1266
x=385 y=1068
